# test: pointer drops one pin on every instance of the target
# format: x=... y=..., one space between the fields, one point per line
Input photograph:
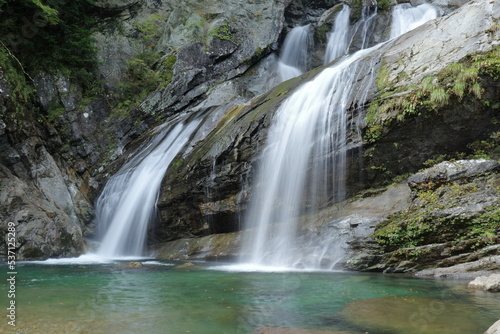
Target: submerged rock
x=410 y=315
x=133 y=265
x=187 y=265
x=282 y=330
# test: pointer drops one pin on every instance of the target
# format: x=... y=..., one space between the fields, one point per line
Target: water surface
x=163 y=298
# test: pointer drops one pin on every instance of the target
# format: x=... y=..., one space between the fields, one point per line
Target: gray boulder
x=451 y=171
x=494 y=329
x=487 y=283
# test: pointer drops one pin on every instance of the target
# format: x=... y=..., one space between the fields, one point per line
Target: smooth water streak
x=338 y=44
x=293 y=56
x=127 y=205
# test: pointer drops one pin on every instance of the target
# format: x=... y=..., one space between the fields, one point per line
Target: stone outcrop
x=449 y=223
x=45 y=200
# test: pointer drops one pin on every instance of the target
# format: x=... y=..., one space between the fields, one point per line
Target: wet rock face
x=452 y=220
x=40 y=197
x=44 y=227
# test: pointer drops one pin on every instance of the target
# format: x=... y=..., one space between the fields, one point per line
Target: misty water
x=162 y=298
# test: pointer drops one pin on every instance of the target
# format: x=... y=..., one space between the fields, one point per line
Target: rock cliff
x=218 y=60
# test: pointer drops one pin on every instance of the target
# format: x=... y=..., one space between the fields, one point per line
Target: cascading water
x=312 y=123
x=293 y=55
x=406 y=18
x=338 y=43
x=342 y=35
x=305 y=162
x=364 y=27
x=127 y=204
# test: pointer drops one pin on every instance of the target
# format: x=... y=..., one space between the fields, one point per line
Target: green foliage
x=52 y=36
x=486 y=149
x=151 y=29
x=420 y=225
x=225 y=32
x=54 y=112
x=167 y=70
x=452 y=84
x=436 y=160
x=384 y=5
x=20 y=89
x=142 y=78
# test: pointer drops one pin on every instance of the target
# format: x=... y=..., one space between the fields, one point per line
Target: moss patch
x=451 y=85
x=441 y=215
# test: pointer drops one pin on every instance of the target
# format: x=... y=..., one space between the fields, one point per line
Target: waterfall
x=127 y=203
x=337 y=44
x=312 y=123
x=304 y=165
x=406 y=18
x=293 y=55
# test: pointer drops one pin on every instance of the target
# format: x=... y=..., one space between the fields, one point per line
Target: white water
x=338 y=43
x=304 y=163
x=406 y=18
x=363 y=29
x=293 y=55
x=127 y=204
x=312 y=123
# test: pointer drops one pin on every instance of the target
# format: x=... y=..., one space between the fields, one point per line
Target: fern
x=459 y=89
x=439 y=96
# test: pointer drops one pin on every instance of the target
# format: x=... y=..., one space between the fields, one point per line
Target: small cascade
x=338 y=43
x=304 y=164
x=363 y=29
x=293 y=55
x=406 y=18
x=127 y=204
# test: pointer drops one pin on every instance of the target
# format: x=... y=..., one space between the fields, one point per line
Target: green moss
x=321 y=33
x=143 y=76
x=151 y=29
x=54 y=112
x=420 y=225
x=226 y=32
x=451 y=85
x=356 y=10
x=167 y=69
